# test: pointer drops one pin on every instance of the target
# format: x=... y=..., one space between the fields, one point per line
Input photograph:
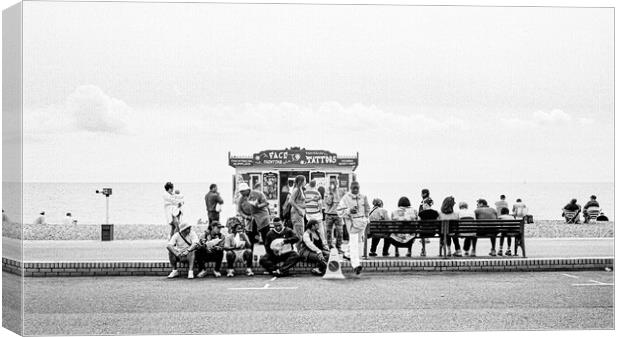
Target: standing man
x=501 y=204
x=314 y=204
x=333 y=223
x=260 y=210
x=354 y=209
x=213 y=202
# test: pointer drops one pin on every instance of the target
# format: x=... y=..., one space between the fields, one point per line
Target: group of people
x=307 y=239
x=68 y=219
x=447 y=211
x=316 y=222
x=591 y=211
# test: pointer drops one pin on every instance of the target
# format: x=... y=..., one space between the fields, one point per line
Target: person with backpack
x=181 y=247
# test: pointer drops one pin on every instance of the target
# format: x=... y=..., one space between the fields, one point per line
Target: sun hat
x=184 y=226
x=244 y=187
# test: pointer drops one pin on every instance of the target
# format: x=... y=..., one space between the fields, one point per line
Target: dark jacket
x=212 y=199
x=428 y=214
x=287 y=234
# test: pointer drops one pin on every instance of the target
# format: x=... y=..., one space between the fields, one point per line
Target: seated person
x=238 y=247
x=470 y=240
x=377 y=213
x=210 y=249
x=404 y=212
x=279 y=249
x=483 y=211
x=591 y=204
x=181 y=248
x=427 y=213
x=571 y=211
x=505 y=215
x=312 y=249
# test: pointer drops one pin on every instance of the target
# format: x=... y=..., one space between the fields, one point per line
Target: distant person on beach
x=427 y=213
x=298 y=205
x=260 y=210
x=314 y=204
x=354 y=209
x=519 y=210
x=591 y=204
x=181 y=248
x=571 y=211
x=40 y=220
x=333 y=222
x=447 y=213
x=485 y=212
x=501 y=204
x=171 y=204
x=404 y=212
x=504 y=214
x=312 y=249
x=279 y=250
x=213 y=203
x=378 y=213
x=238 y=247
x=470 y=242
x=210 y=249
x=69 y=220
x=5 y=218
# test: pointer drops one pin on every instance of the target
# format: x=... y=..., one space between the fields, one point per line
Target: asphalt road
x=304 y=304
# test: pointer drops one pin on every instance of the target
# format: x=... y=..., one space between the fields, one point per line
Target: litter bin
x=107 y=232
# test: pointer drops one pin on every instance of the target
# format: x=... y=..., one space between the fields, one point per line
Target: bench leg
x=522 y=244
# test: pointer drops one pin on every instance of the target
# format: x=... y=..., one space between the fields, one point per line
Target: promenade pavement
x=154 y=250
x=369 y=303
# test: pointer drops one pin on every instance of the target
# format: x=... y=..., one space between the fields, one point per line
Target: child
x=505 y=216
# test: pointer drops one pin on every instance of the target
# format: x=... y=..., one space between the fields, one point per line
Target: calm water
x=142 y=202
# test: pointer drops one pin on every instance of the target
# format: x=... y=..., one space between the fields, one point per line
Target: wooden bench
x=448 y=229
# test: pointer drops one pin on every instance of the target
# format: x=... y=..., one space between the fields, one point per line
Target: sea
x=142 y=203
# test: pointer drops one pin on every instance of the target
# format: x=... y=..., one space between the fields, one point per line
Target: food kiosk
x=275 y=171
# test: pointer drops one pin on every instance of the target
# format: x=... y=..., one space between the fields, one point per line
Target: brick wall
x=157 y=268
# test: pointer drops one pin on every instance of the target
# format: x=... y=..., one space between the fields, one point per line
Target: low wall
x=539 y=229
x=47 y=269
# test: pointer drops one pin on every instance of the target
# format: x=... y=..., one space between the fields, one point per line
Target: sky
x=134 y=92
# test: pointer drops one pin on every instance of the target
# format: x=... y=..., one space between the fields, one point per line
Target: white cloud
x=325 y=118
x=87 y=108
x=585 y=121
x=554 y=116
x=95 y=111
x=542 y=118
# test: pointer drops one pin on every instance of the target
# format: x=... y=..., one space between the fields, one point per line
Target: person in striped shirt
x=314 y=205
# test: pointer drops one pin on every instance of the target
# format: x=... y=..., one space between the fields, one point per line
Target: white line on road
x=569 y=275
x=593 y=284
x=596 y=282
x=266 y=287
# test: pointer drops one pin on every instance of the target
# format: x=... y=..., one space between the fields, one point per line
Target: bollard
x=107 y=232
